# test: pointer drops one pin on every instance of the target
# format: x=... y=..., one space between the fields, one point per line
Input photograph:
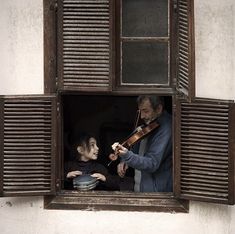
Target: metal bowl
x=85 y=182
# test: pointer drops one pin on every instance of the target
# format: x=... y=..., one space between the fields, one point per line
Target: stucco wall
x=21 y=46
x=21 y=57
x=27 y=216
x=215 y=47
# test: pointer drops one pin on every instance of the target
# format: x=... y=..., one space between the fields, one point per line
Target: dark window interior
x=145 y=62
x=144 y=37
x=145 y=18
x=109 y=118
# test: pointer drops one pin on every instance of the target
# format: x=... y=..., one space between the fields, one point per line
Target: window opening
x=110 y=119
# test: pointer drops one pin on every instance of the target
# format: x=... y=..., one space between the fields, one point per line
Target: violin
x=139 y=133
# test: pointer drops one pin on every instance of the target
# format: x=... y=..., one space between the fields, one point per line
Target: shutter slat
x=86 y=28
x=204 y=150
x=28 y=146
x=185 y=81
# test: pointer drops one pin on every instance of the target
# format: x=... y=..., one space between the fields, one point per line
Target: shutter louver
x=186 y=55
x=28 y=146
x=86 y=45
x=204 y=152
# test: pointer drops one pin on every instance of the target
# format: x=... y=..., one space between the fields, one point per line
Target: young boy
x=86 y=153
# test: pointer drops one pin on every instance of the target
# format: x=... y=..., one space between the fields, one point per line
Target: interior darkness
x=109 y=118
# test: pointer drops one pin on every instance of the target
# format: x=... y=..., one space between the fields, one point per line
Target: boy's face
x=91 y=154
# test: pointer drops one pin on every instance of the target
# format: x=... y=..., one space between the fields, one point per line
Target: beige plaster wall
x=27 y=216
x=21 y=47
x=215 y=48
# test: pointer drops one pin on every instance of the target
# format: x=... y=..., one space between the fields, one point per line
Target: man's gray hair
x=154 y=100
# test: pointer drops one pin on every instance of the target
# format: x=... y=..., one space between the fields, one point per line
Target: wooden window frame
x=161 y=89
x=92 y=200
x=160 y=202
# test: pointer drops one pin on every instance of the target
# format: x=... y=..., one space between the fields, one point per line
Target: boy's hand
x=73 y=174
x=99 y=176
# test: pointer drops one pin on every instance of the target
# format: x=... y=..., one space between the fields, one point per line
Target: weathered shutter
x=84 y=45
x=28 y=145
x=204 y=151
x=185 y=49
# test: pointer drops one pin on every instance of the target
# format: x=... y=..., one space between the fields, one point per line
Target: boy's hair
x=80 y=139
x=154 y=100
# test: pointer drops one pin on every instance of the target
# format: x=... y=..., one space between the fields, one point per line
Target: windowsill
x=120 y=201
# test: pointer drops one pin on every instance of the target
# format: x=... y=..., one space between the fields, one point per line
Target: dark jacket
x=90 y=167
x=156 y=164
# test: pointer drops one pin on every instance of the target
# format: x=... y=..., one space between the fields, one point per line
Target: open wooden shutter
x=185 y=49
x=84 y=33
x=28 y=144
x=204 y=151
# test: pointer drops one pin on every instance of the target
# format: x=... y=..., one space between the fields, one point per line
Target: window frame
x=164 y=88
x=159 y=202
x=104 y=200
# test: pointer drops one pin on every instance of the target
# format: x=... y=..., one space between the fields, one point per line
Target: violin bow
x=137 y=119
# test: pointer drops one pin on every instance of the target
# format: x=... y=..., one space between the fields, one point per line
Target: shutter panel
x=185 y=49
x=85 y=45
x=28 y=146
x=204 y=151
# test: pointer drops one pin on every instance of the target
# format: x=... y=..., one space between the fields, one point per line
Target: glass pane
x=145 y=18
x=145 y=62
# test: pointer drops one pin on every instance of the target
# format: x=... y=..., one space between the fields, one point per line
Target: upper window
x=144 y=42
x=116 y=45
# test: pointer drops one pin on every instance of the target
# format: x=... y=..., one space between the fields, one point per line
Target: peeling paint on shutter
x=28 y=154
x=204 y=151
x=86 y=45
x=186 y=79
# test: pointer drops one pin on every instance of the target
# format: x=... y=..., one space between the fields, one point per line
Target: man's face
x=147 y=113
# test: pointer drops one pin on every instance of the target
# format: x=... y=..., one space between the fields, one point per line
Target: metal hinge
x=54 y=6
x=58 y=108
x=56 y=83
x=175 y=5
x=57 y=184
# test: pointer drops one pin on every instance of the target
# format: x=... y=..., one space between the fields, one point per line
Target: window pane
x=141 y=18
x=145 y=62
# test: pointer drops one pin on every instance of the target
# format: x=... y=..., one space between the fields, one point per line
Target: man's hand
x=121 y=169
x=73 y=174
x=119 y=149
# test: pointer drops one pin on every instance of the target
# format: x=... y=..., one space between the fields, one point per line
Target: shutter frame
x=1 y=144
x=20 y=169
x=186 y=49
x=231 y=143
x=213 y=182
x=84 y=63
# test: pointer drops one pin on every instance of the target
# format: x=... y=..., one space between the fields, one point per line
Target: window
x=89 y=48
x=143 y=48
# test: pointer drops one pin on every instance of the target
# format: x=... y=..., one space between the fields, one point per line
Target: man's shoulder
x=165 y=120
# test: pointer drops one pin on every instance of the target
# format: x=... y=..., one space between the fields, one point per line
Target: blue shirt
x=156 y=163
